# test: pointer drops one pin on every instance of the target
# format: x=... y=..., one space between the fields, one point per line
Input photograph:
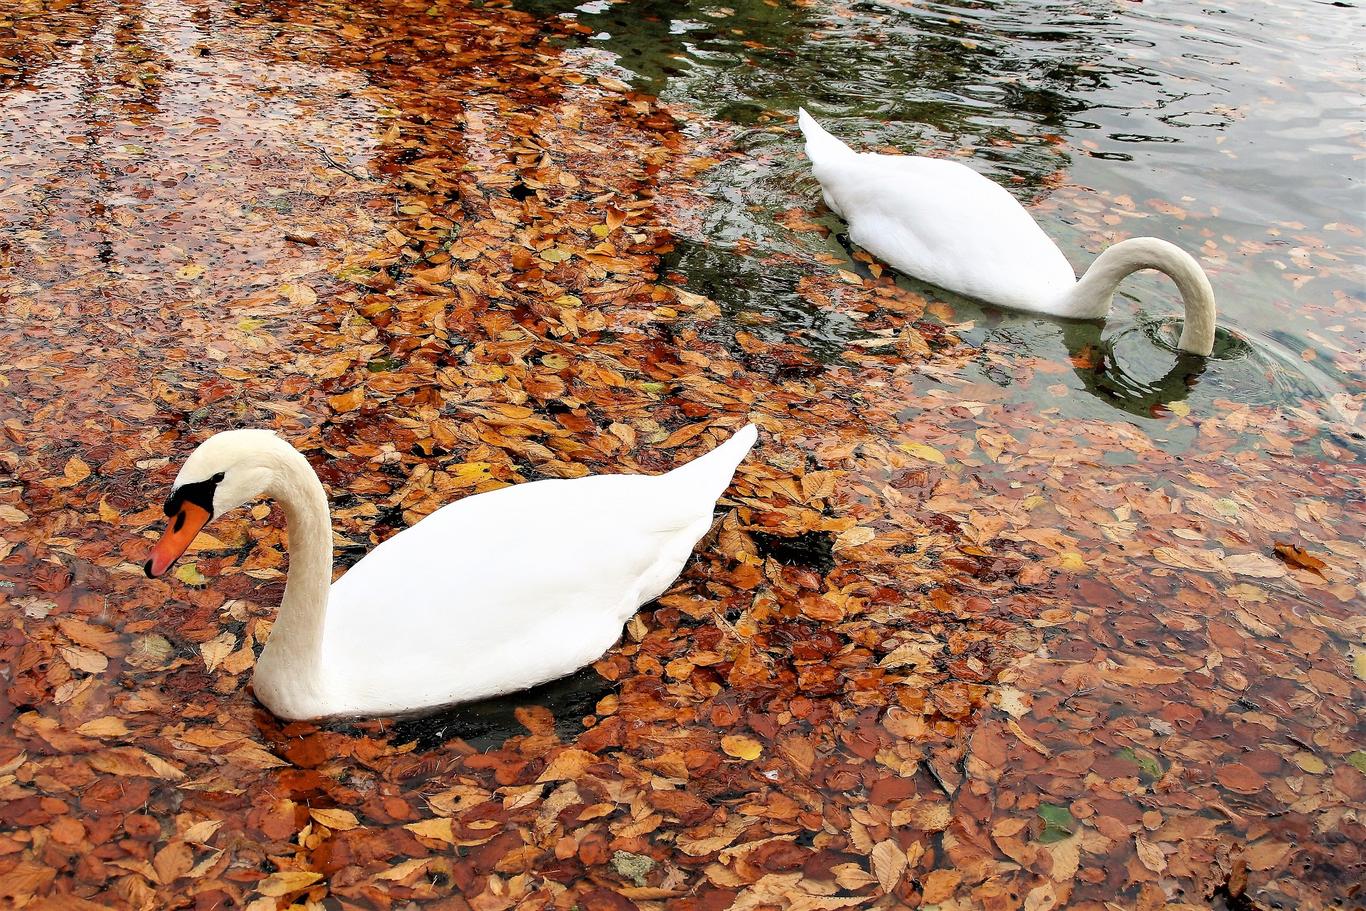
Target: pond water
x=992 y=597
x=1233 y=130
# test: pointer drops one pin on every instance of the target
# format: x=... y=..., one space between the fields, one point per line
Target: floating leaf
x=921 y=451
x=438 y=829
x=334 y=818
x=889 y=864
x=189 y=574
x=287 y=882
x=741 y=747
x=1150 y=855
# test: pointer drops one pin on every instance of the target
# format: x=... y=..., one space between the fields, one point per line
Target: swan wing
x=500 y=591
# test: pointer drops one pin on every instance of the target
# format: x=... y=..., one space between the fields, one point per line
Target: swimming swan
x=488 y=595
x=944 y=223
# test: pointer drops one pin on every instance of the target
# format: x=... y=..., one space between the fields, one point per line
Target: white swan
x=488 y=595
x=944 y=223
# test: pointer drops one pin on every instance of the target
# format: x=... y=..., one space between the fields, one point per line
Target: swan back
x=506 y=589
x=940 y=221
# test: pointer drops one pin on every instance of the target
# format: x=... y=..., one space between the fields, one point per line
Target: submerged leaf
x=1058 y=822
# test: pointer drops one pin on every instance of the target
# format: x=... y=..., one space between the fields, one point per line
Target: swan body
x=488 y=595
x=944 y=223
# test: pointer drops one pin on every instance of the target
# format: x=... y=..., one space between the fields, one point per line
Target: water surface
x=1234 y=130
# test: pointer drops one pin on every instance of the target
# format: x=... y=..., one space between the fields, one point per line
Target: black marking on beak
x=200 y=493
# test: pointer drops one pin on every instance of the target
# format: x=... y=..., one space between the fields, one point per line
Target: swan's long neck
x=1094 y=292
x=296 y=638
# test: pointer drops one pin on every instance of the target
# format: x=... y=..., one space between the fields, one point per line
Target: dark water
x=1233 y=130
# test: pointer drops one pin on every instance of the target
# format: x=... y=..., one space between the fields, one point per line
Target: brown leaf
x=347 y=401
x=889 y=864
x=939 y=886
x=108 y=726
x=173 y=862
x=1238 y=777
x=1299 y=557
x=683 y=435
x=1150 y=854
x=1267 y=854
x=567 y=764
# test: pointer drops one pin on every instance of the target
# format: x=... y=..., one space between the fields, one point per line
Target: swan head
x=226 y=471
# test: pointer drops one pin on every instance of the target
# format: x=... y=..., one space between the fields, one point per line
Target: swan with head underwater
x=491 y=594
x=942 y=222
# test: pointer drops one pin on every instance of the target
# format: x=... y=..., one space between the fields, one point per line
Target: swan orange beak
x=175 y=540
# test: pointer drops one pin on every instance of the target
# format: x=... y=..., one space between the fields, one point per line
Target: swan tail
x=709 y=475
x=820 y=145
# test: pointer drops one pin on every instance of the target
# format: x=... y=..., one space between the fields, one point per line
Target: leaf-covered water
x=1002 y=613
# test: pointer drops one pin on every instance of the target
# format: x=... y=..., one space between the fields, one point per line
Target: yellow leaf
x=1310 y=763
x=108 y=726
x=286 y=881
x=337 y=820
x=1180 y=409
x=1359 y=663
x=253 y=757
x=921 y=451
x=741 y=747
x=471 y=472
x=189 y=271
x=74 y=472
x=108 y=513
x=405 y=869
x=189 y=574
x=347 y=401
x=438 y=829
x=202 y=831
x=1071 y=561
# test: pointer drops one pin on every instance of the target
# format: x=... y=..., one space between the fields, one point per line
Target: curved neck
x=296 y=638
x=1094 y=291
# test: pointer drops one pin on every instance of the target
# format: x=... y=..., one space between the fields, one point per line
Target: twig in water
x=336 y=164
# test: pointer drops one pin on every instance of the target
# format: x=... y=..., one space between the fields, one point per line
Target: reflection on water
x=1210 y=127
x=1103 y=373
x=487 y=724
